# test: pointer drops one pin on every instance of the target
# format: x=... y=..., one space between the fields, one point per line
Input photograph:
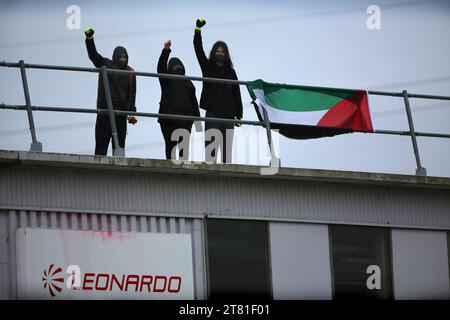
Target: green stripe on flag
x=298 y=98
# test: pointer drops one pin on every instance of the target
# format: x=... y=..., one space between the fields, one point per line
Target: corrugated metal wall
x=135 y=192
x=10 y=220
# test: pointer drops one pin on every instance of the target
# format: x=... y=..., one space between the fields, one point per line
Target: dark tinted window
x=353 y=250
x=238 y=258
x=448 y=248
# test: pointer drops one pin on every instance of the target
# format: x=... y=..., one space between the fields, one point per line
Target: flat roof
x=11 y=158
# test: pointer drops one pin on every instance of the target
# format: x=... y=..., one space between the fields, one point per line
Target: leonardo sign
x=72 y=264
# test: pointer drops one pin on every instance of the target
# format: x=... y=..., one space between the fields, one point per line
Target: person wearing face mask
x=123 y=94
x=219 y=100
x=177 y=97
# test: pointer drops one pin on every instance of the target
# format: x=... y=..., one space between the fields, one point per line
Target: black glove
x=89 y=32
x=199 y=24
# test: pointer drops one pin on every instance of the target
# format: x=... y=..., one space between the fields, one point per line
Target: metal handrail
x=202 y=79
x=194 y=118
x=103 y=71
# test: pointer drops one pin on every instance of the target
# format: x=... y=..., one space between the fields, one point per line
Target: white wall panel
x=300 y=258
x=420 y=264
x=10 y=220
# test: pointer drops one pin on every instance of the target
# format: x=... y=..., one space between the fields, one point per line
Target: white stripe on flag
x=289 y=117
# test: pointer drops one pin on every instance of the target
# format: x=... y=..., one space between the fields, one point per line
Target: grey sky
x=320 y=43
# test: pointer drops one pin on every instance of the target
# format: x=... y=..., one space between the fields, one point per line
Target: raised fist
x=89 y=32
x=167 y=44
x=199 y=24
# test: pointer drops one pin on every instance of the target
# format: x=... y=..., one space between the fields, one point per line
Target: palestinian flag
x=325 y=111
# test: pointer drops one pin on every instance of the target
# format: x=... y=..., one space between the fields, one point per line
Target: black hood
x=173 y=62
x=117 y=52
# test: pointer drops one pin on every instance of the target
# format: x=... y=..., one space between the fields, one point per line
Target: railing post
x=35 y=145
x=420 y=171
x=273 y=158
x=117 y=149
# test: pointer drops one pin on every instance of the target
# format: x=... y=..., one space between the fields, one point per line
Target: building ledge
x=24 y=158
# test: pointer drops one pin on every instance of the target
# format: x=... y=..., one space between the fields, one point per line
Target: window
x=448 y=249
x=238 y=258
x=353 y=250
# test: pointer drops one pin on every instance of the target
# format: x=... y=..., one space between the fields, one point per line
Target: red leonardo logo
x=52 y=279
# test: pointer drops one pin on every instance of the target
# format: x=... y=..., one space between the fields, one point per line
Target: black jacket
x=221 y=100
x=122 y=87
x=177 y=96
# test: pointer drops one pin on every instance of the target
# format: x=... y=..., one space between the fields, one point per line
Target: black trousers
x=225 y=144
x=167 y=128
x=103 y=133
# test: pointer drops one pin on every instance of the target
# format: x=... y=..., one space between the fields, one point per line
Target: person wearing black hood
x=177 y=97
x=123 y=94
x=219 y=100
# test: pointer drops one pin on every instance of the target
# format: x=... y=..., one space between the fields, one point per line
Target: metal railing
x=118 y=151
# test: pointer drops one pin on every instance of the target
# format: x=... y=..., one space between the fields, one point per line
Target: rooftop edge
x=10 y=158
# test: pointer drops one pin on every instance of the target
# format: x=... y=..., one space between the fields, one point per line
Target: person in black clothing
x=177 y=97
x=123 y=94
x=219 y=100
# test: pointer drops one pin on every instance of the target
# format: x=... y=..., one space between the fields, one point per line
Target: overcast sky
x=318 y=43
